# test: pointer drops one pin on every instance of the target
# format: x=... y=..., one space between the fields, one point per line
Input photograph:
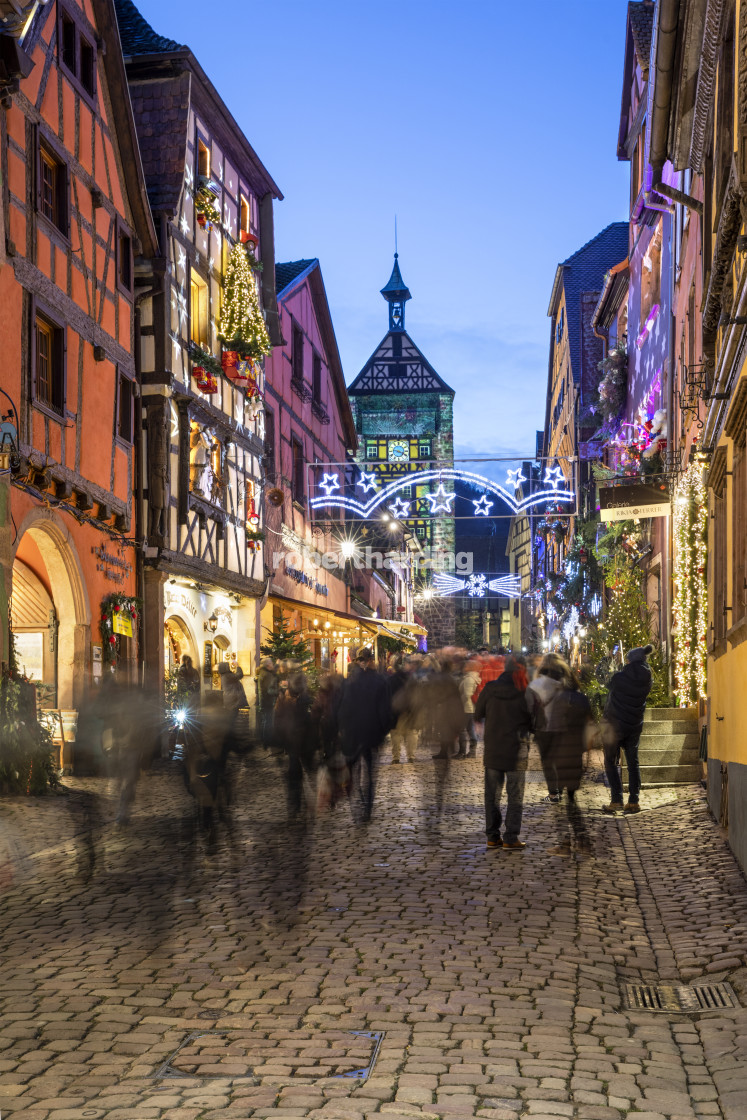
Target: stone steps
x=669 y=749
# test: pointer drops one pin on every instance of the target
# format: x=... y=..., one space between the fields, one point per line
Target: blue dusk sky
x=489 y=128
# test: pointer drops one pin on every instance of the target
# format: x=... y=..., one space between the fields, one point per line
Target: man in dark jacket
x=626 y=703
x=503 y=707
x=365 y=719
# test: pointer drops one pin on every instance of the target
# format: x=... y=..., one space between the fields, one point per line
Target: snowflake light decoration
x=483 y=506
x=367 y=481
x=184 y=225
x=329 y=483
x=477 y=586
x=440 y=500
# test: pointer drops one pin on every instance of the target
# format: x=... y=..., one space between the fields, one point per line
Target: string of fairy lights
x=690 y=585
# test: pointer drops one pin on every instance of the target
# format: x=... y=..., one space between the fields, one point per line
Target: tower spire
x=396 y=293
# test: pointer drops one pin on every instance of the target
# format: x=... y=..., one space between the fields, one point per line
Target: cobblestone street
x=487 y=983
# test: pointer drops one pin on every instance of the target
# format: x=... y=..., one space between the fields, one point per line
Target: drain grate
x=680 y=998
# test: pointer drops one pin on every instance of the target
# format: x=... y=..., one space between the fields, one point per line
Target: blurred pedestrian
x=624 y=711
x=502 y=705
x=404 y=734
x=552 y=675
x=443 y=710
x=268 y=688
x=293 y=730
x=188 y=683
x=365 y=716
x=469 y=690
x=571 y=716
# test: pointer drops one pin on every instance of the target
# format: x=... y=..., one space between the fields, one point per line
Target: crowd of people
x=438 y=701
x=329 y=738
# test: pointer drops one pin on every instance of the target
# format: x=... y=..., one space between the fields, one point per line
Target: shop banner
x=621 y=503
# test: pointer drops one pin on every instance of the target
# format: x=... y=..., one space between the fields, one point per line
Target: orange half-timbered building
x=75 y=216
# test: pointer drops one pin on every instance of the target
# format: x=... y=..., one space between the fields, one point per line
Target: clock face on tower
x=399 y=450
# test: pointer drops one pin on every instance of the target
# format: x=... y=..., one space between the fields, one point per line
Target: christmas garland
x=111 y=605
x=690 y=580
x=204 y=358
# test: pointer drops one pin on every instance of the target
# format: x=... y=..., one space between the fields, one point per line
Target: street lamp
x=212 y=623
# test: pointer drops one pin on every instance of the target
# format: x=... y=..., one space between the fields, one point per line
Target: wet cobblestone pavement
x=326 y=970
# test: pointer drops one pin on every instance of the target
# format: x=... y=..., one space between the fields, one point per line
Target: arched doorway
x=47 y=576
x=178 y=641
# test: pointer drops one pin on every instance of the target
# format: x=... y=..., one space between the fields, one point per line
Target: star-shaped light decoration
x=329 y=483
x=515 y=478
x=554 y=476
x=182 y=258
x=184 y=225
x=476 y=586
x=399 y=508
x=483 y=507
x=367 y=481
x=182 y=308
x=440 y=500
x=188 y=177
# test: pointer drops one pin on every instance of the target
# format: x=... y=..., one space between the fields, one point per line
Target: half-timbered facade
x=203 y=424
x=75 y=213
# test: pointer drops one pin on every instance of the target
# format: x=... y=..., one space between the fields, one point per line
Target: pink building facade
x=308 y=428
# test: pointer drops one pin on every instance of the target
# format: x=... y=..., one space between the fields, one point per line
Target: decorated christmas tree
x=285 y=644
x=242 y=327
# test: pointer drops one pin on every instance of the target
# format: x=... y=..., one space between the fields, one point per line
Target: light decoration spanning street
x=367 y=482
x=483 y=506
x=690 y=598
x=478 y=585
x=515 y=478
x=362 y=508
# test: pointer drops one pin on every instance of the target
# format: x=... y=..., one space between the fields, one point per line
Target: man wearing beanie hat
x=626 y=703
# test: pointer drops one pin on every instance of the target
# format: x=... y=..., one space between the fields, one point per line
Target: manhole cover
x=679 y=997
x=257 y=1054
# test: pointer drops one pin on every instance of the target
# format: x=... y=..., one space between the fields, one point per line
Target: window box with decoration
x=205 y=369
x=207 y=213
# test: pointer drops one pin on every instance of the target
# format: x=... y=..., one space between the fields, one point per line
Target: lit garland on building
x=690 y=598
x=242 y=326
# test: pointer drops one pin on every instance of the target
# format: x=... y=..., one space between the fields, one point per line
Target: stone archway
x=70 y=596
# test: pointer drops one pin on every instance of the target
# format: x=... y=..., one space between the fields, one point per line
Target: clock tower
x=403 y=413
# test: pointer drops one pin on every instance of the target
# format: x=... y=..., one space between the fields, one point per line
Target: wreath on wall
x=111 y=606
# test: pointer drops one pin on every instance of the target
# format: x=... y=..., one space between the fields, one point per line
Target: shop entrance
x=178 y=642
x=50 y=612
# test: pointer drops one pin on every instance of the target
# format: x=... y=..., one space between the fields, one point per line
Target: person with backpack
x=543 y=690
